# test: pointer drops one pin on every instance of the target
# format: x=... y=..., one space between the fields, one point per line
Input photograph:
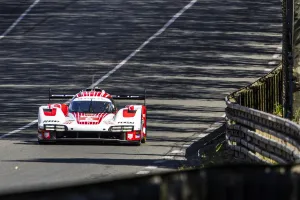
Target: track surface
x=211 y=50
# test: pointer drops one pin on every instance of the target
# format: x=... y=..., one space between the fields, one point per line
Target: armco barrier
x=260 y=136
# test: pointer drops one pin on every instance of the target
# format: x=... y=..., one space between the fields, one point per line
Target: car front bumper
x=52 y=136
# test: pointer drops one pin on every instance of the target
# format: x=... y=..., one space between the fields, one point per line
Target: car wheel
x=143 y=140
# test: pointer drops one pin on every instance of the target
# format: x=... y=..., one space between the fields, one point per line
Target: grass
x=278 y=110
x=216 y=154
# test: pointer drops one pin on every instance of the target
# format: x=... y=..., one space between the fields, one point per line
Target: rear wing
x=117 y=97
x=59 y=96
x=130 y=97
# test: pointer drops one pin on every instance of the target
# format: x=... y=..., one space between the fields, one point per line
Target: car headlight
x=121 y=128
x=54 y=127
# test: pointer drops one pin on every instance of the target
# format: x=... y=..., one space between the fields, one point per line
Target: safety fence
x=261 y=137
x=265 y=94
x=295 y=57
x=255 y=129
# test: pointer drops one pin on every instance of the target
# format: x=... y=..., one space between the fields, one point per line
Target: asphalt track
x=213 y=48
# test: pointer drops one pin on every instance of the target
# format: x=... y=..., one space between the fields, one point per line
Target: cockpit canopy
x=91 y=106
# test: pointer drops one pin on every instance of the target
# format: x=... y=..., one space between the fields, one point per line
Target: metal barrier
x=296 y=59
x=253 y=133
x=261 y=137
x=264 y=94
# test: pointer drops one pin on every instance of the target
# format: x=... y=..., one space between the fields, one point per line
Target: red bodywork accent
x=65 y=109
x=51 y=112
x=144 y=118
x=44 y=135
x=89 y=119
x=133 y=136
x=53 y=107
x=40 y=131
x=127 y=113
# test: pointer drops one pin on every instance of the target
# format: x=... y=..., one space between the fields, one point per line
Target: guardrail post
x=287 y=57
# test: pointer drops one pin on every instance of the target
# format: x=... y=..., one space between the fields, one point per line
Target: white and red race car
x=92 y=115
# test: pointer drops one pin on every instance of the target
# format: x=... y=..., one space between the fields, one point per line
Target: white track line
x=19 y=129
x=1 y=37
x=19 y=19
x=160 y=31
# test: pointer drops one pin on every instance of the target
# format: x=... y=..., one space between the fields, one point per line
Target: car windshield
x=91 y=106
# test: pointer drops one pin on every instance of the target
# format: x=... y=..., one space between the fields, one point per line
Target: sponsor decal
x=130 y=136
x=108 y=122
x=84 y=118
x=89 y=119
x=69 y=122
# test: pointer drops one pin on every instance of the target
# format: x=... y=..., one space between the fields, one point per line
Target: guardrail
x=259 y=136
x=256 y=135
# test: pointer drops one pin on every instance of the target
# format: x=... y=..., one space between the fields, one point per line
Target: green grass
x=217 y=154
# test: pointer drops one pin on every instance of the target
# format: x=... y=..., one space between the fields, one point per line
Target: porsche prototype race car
x=92 y=115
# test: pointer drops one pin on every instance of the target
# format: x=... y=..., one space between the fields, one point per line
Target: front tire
x=143 y=140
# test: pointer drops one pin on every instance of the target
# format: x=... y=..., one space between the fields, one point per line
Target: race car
x=92 y=115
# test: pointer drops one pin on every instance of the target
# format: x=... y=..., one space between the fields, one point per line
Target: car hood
x=90 y=118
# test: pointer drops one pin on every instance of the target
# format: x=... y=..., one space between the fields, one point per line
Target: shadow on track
x=102 y=161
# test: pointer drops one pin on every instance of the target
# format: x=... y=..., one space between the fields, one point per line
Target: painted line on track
x=160 y=31
x=19 y=129
x=19 y=19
